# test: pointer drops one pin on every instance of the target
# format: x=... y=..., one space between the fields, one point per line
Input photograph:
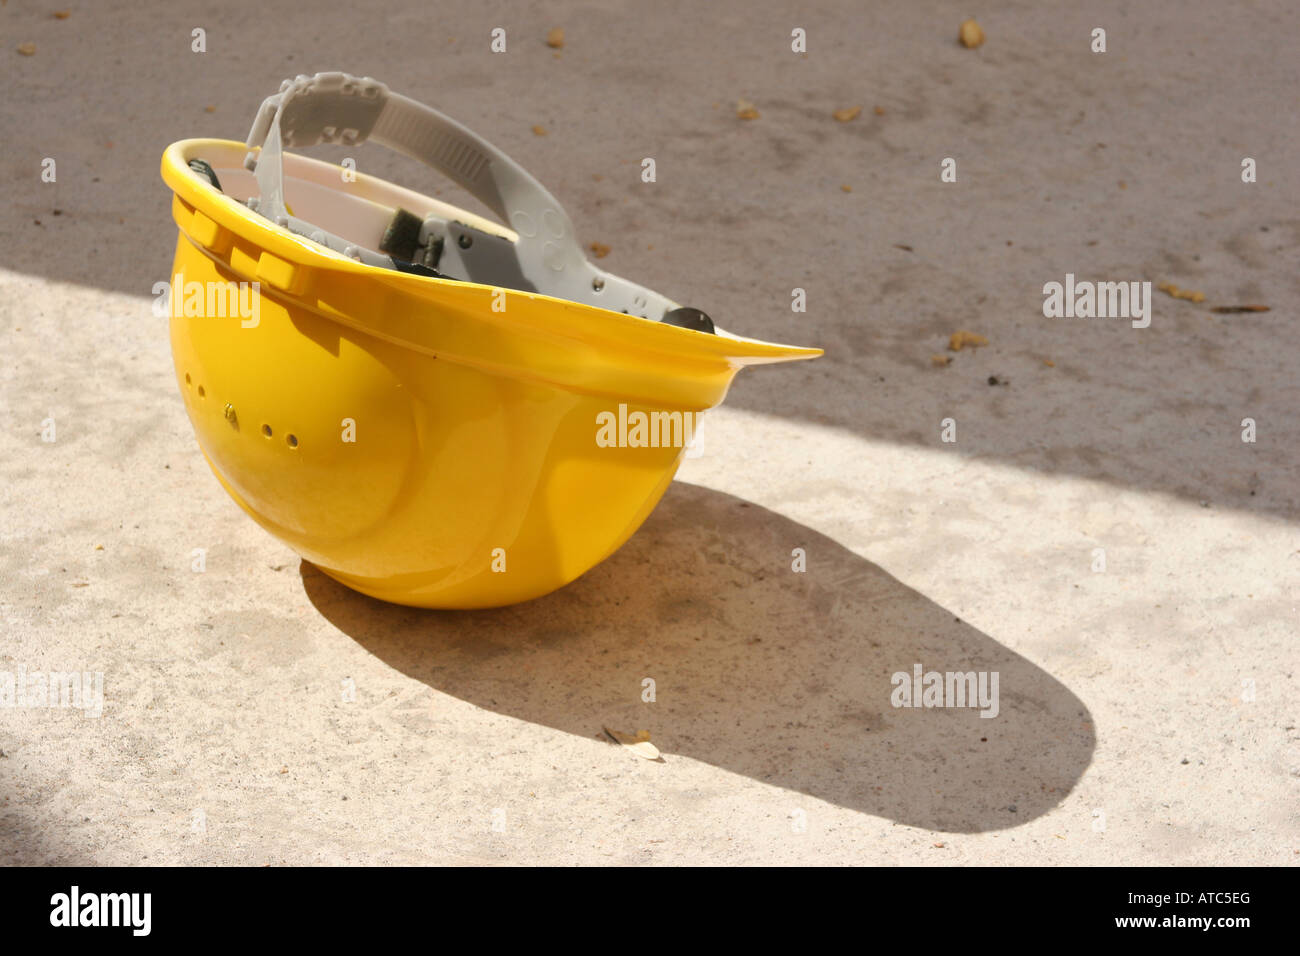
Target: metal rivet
x=464 y=240
x=230 y=414
x=598 y=284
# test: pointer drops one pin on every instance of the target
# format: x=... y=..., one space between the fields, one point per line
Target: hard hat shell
x=423 y=440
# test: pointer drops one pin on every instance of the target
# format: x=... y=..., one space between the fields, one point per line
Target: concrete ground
x=1147 y=711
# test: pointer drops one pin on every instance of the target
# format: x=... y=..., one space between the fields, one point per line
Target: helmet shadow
x=780 y=676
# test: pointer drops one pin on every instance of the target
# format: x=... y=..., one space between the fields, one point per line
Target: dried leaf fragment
x=639 y=744
x=62 y=14
x=746 y=110
x=539 y=130
x=555 y=39
x=941 y=361
x=847 y=188
x=970 y=34
x=599 y=250
x=1170 y=289
x=847 y=114
x=27 y=49
x=880 y=111
x=1235 y=309
x=962 y=339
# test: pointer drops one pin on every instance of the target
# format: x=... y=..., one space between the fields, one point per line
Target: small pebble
x=970 y=34
x=963 y=339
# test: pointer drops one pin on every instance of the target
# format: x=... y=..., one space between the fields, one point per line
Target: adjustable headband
x=346 y=110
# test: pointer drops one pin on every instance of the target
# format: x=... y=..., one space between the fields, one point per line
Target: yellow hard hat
x=433 y=409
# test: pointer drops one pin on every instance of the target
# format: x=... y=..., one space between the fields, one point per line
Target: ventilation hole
x=465 y=240
x=201 y=392
x=598 y=284
x=293 y=441
x=266 y=430
x=187 y=378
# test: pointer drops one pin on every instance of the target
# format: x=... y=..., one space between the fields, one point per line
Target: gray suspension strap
x=346 y=110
